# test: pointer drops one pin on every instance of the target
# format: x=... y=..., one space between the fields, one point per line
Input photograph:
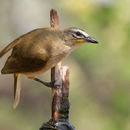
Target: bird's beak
x=90 y=39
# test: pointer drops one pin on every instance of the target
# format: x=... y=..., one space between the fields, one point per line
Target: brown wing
x=14 y=65
x=29 y=55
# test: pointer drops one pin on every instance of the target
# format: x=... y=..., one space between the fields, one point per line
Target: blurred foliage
x=100 y=99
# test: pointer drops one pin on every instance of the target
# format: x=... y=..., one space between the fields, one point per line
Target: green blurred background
x=99 y=74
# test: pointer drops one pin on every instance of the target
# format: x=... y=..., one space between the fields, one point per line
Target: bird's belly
x=32 y=75
x=51 y=63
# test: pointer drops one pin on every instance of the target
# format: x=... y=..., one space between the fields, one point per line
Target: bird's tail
x=8 y=47
x=17 y=88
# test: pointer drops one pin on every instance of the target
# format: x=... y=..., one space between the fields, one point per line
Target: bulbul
x=38 y=51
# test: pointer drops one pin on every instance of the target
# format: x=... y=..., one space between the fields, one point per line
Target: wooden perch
x=60 y=91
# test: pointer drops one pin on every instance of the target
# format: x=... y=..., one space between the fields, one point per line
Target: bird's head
x=76 y=36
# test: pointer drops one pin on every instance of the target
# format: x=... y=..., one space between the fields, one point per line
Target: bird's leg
x=48 y=84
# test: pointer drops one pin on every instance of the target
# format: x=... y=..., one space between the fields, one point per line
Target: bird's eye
x=78 y=34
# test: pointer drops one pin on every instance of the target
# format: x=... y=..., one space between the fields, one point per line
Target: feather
x=17 y=88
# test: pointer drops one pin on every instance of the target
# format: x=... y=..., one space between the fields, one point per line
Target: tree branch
x=60 y=93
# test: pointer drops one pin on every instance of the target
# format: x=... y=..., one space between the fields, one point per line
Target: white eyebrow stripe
x=82 y=32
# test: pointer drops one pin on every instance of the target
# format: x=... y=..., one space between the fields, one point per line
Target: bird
x=38 y=51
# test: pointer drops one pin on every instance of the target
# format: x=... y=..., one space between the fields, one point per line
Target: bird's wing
x=31 y=54
x=19 y=65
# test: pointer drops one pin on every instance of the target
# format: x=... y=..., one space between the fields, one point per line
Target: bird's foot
x=48 y=84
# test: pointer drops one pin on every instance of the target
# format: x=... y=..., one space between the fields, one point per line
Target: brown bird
x=39 y=50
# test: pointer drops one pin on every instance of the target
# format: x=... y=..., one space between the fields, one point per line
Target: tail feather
x=17 y=88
